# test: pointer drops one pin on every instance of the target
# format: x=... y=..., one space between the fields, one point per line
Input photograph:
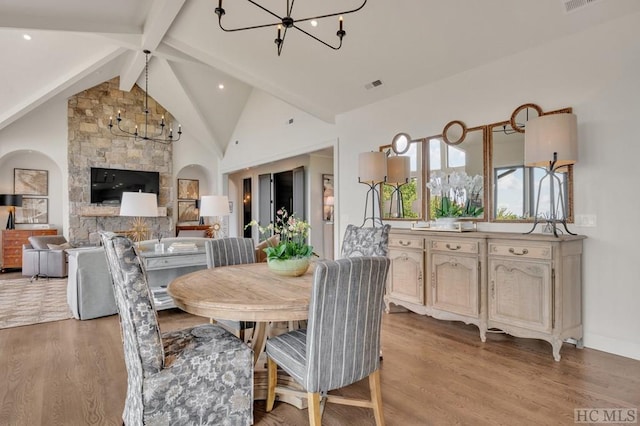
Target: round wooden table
x=248 y=292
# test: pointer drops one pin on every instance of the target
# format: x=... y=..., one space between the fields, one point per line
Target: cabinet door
x=520 y=294
x=455 y=284
x=405 y=272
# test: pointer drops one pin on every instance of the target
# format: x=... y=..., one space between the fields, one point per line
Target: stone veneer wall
x=91 y=144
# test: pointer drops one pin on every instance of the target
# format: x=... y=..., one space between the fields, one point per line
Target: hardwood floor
x=434 y=373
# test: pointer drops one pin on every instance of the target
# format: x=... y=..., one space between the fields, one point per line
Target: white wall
x=596 y=72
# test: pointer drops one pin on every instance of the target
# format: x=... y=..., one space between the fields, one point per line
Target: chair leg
x=376 y=397
x=272 y=379
x=315 y=416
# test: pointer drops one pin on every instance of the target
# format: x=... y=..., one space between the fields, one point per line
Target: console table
x=524 y=285
x=164 y=267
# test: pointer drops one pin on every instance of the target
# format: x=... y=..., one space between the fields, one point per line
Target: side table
x=38 y=273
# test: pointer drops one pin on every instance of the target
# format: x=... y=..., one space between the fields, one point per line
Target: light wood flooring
x=433 y=373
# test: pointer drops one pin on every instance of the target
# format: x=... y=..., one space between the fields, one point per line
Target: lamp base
x=11 y=224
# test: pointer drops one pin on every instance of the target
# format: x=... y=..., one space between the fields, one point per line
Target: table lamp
x=12 y=201
x=214 y=206
x=372 y=171
x=551 y=142
x=139 y=205
x=398 y=174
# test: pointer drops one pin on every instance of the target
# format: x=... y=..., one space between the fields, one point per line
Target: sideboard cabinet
x=524 y=285
x=12 y=241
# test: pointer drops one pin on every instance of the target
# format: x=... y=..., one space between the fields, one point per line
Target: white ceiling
x=405 y=43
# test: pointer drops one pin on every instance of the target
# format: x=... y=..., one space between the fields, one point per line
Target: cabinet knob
x=450 y=247
x=404 y=243
x=522 y=253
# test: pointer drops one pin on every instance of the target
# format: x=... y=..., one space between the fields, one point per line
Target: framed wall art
x=30 y=182
x=33 y=210
x=187 y=211
x=188 y=189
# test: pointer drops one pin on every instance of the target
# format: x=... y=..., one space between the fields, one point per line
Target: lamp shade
x=398 y=169
x=214 y=205
x=11 y=200
x=549 y=134
x=139 y=204
x=372 y=167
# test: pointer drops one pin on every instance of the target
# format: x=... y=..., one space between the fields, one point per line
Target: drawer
x=175 y=261
x=404 y=241
x=458 y=246
x=527 y=251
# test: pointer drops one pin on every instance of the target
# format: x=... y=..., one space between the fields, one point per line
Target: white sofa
x=89 y=289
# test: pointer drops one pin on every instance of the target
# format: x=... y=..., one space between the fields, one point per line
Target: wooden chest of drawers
x=12 y=241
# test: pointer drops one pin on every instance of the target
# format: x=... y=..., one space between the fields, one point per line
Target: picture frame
x=188 y=189
x=33 y=211
x=187 y=211
x=328 y=198
x=31 y=182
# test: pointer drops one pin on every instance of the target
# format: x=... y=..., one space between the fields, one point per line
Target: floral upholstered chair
x=342 y=341
x=365 y=241
x=196 y=376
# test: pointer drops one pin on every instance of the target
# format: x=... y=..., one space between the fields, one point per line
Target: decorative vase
x=289 y=267
x=446 y=222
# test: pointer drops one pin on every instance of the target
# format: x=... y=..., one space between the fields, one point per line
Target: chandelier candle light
x=158 y=137
x=286 y=22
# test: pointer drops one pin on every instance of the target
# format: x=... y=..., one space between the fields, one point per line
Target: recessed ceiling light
x=220 y=86
x=314 y=23
x=26 y=36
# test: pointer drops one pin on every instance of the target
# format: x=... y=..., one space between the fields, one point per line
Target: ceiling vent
x=573 y=5
x=373 y=84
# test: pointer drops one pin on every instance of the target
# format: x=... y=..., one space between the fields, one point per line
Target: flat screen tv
x=107 y=185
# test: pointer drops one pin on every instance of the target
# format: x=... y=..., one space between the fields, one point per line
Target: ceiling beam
x=158 y=22
x=58 y=86
x=33 y=22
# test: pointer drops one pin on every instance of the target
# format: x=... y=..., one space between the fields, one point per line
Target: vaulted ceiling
x=76 y=44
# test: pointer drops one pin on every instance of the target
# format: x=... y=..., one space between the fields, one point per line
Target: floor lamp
x=398 y=174
x=12 y=201
x=372 y=171
x=139 y=205
x=551 y=142
x=214 y=206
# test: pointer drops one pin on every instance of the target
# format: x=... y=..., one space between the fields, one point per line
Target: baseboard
x=623 y=348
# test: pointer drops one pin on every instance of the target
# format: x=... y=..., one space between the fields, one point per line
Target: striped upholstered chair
x=360 y=241
x=342 y=341
x=200 y=375
x=227 y=252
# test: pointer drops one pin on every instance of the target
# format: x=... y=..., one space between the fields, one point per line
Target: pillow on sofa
x=261 y=256
x=62 y=246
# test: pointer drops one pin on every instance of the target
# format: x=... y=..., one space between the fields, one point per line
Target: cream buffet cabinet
x=526 y=285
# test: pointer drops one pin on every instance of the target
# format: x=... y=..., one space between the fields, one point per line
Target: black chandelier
x=158 y=137
x=286 y=22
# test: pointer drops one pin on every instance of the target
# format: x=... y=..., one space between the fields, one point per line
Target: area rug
x=25 y=303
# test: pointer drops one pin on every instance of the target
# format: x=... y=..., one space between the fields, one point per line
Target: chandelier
x=286 y=22
x=159 y=137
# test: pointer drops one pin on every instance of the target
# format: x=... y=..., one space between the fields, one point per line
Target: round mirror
x=522 y=114
x=454 y=132
x=400 y=143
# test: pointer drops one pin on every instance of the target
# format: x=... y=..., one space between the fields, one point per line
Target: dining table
x=247 y=292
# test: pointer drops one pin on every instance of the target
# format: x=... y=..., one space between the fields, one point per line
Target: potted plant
x=290 y=256
x=456 y=195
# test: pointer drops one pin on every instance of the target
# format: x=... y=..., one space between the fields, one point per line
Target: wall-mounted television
x=107 y=185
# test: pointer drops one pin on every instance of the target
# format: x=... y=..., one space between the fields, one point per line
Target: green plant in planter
x=455 y=194
x=293 y=233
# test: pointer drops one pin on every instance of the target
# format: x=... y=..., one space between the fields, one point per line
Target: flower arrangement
x=293 y=234
x=457 y=194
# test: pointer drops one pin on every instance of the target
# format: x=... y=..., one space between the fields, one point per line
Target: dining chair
x=199 y=375
x=226 y=252
x=341 y=343
x=365 y=241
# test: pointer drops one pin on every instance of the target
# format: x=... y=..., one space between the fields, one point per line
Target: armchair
x=201 y=375
x=45 y=255
x=359 y=241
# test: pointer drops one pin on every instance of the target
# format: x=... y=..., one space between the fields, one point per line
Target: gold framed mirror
x=515 y=186
x=457 y=172
x=401 y=196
